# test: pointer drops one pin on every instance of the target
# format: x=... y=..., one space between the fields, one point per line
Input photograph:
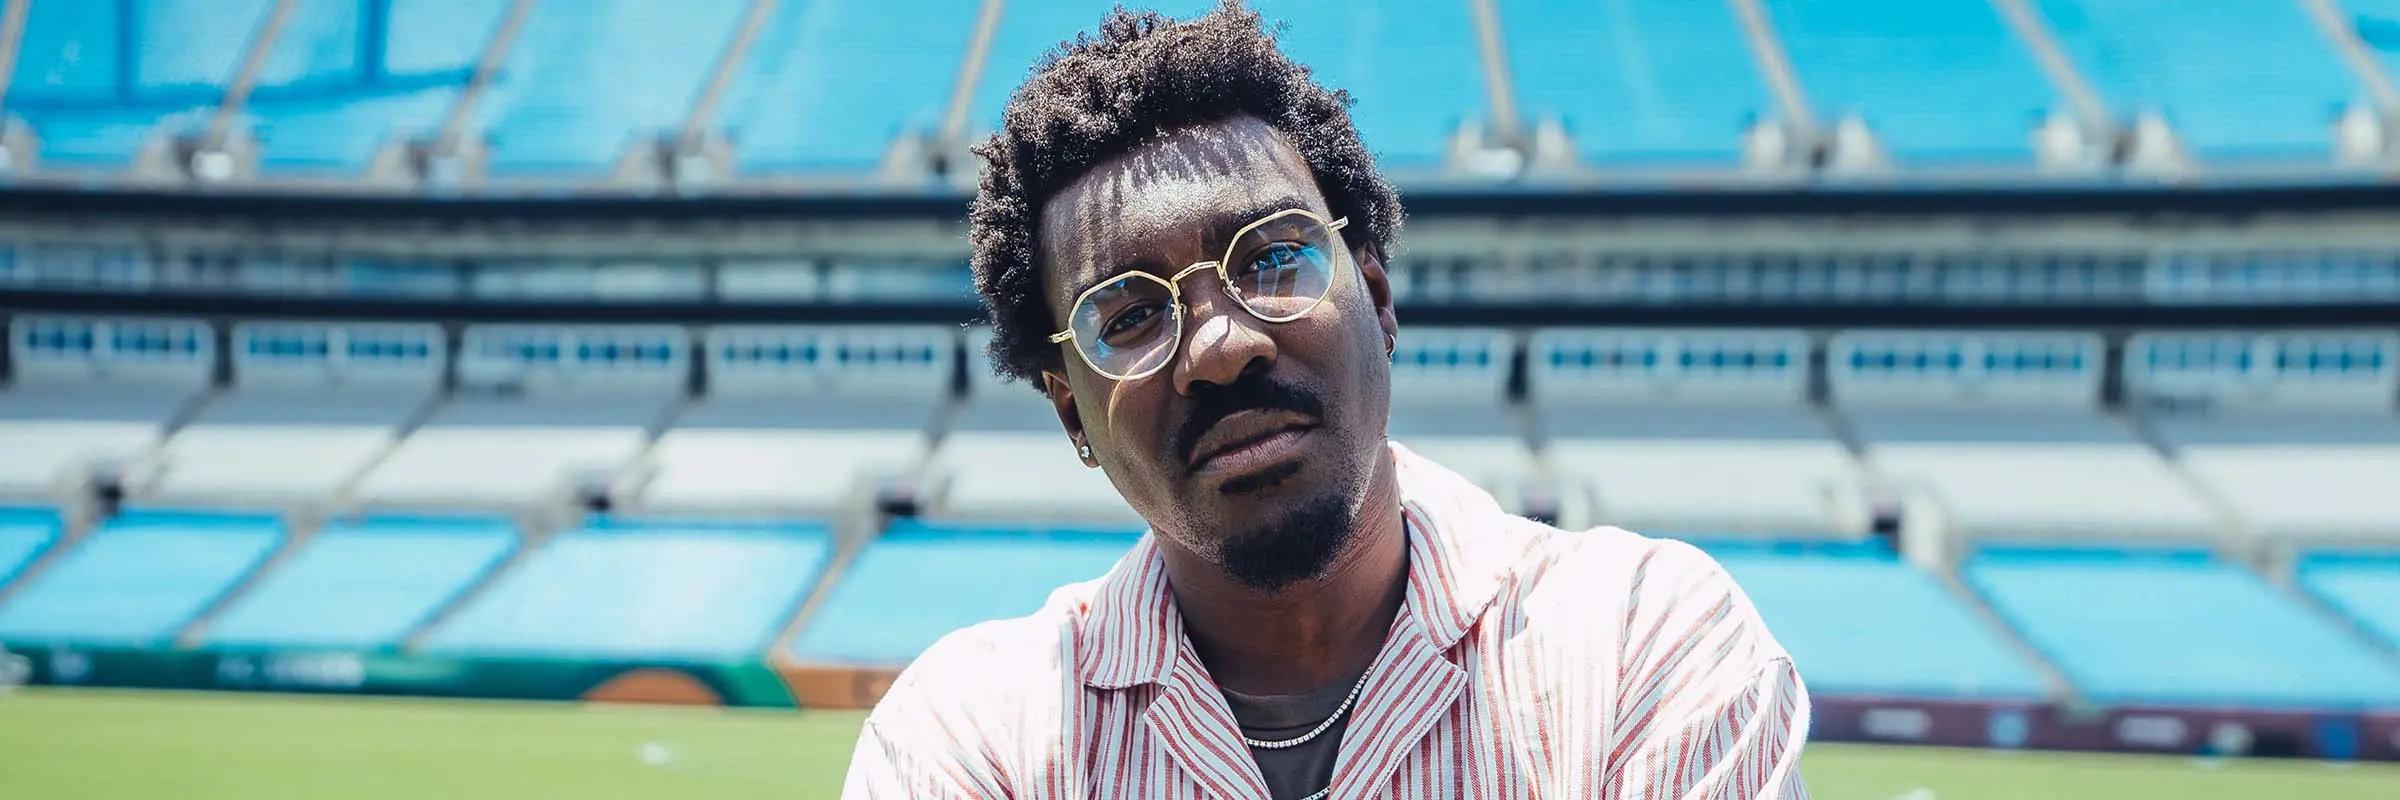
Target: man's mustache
x=1253 y=391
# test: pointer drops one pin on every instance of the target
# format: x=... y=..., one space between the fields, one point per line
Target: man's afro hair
x=1102 y=95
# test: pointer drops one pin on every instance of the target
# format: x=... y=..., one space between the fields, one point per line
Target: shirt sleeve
x=883 y=767
x=1710 y=707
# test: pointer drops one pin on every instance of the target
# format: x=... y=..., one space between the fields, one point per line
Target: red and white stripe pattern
x=1526 y=662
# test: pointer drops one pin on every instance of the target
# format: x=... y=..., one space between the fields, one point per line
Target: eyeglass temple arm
x=1062 y=337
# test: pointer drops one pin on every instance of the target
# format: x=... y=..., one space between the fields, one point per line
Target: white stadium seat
x=313 y=406
x=1695 y=432
x=93 y=394
x=803 y=419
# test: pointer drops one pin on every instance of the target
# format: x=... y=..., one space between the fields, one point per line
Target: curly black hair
x=1099 y=96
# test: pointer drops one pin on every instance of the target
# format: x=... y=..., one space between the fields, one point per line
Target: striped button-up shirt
x=1525 y=662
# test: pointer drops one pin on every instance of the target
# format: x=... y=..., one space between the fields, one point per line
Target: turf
x=100 y=744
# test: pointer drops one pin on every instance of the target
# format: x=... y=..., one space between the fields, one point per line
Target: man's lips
x=1246 y=437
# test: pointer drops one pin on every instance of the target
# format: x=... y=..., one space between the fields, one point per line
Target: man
x=1182 y=243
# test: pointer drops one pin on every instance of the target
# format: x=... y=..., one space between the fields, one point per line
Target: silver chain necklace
x=1320 y=730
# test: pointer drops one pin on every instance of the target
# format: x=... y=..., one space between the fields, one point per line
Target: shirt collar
x=1456 y=560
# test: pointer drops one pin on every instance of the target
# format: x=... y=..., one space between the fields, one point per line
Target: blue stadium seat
x=1858 y=621
x=357 y=102
x=1937 y=80
x=2239 y=80
x=1414 y=68
x=140 y=578
x=634 y=589
x=363 y=584
x=920 y=581
x=830 y=83
x=1638 y=80
x=2178 y=628
x=2363 y=586
x=587 y=79
x=24 y=534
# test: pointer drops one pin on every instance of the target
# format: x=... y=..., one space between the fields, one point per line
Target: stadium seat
x=1641 y=81
x=800 y=420
x=586 y=80
x=921 y=580
x=830 y=83
x=2175 y=627
x=2361 y=585
x=541 y=413
x=2278 y=101
x=1859 y=622
x=2294 y=432
x=1415 y=69
x=312 y=407
x=1680 y=432
x=363 y=584
x=139 y=579
x=1004 y=457
x=1938 y=81
x=354 y=105
x=24 y=534
x=2002 y=436
x=94 y=395
x=643 y=590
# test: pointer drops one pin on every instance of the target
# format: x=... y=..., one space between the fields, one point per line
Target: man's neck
x=1309 y=634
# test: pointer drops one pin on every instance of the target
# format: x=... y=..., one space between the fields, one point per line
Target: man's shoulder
x=1013 y=662
x=1610 y=579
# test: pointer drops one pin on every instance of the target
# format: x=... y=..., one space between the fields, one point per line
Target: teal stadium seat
x=1860 y=622
x=644 y=589
x=1939 y=81
x=2364 y=586
x=1638 y=81
x=139 y=579
x=922 y=580
x=2174 y=627
x=24 y=534
x=2239 y=80
x=364 y=584
x=830 y=83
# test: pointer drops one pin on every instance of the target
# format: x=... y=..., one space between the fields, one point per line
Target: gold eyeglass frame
x=1224 y=279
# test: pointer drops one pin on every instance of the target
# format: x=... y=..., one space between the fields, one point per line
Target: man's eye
x=1129 y=319
x=1274 y=257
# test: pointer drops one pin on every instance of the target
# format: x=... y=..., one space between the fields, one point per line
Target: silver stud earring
x=1085 y=451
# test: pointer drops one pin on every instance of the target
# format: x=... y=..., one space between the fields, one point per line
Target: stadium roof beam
x=1499 y=146
x=2085 y=137
x=453 y=156
x=222 y=151
x=698 y=154
x=2363 y=135
x=16 y=141
x=1796 y=141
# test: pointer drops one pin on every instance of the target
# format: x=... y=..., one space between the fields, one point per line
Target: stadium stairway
x=530 y=537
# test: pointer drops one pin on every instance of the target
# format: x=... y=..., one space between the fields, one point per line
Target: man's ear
x=1379 y=286
x=1062 y=400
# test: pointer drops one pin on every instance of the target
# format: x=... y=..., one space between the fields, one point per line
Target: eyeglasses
x=1279 y=268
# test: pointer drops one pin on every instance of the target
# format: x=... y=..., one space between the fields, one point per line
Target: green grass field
x=86 y=744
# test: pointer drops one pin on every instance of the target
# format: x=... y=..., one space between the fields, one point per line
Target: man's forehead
x=1170 y=195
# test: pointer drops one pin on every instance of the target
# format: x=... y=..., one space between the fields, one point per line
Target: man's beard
x=1300 y=545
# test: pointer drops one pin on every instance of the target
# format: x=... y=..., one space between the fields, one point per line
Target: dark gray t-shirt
x=1294 y=772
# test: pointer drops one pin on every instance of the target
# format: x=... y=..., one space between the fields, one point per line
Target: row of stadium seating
x=2164 y=627
x=1985 y=435
x=829 y=86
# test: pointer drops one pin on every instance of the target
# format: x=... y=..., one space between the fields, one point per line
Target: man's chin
x=1275 y=550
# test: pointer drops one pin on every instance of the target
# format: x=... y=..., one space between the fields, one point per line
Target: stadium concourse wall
x=748 y=683
x=759 y=684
